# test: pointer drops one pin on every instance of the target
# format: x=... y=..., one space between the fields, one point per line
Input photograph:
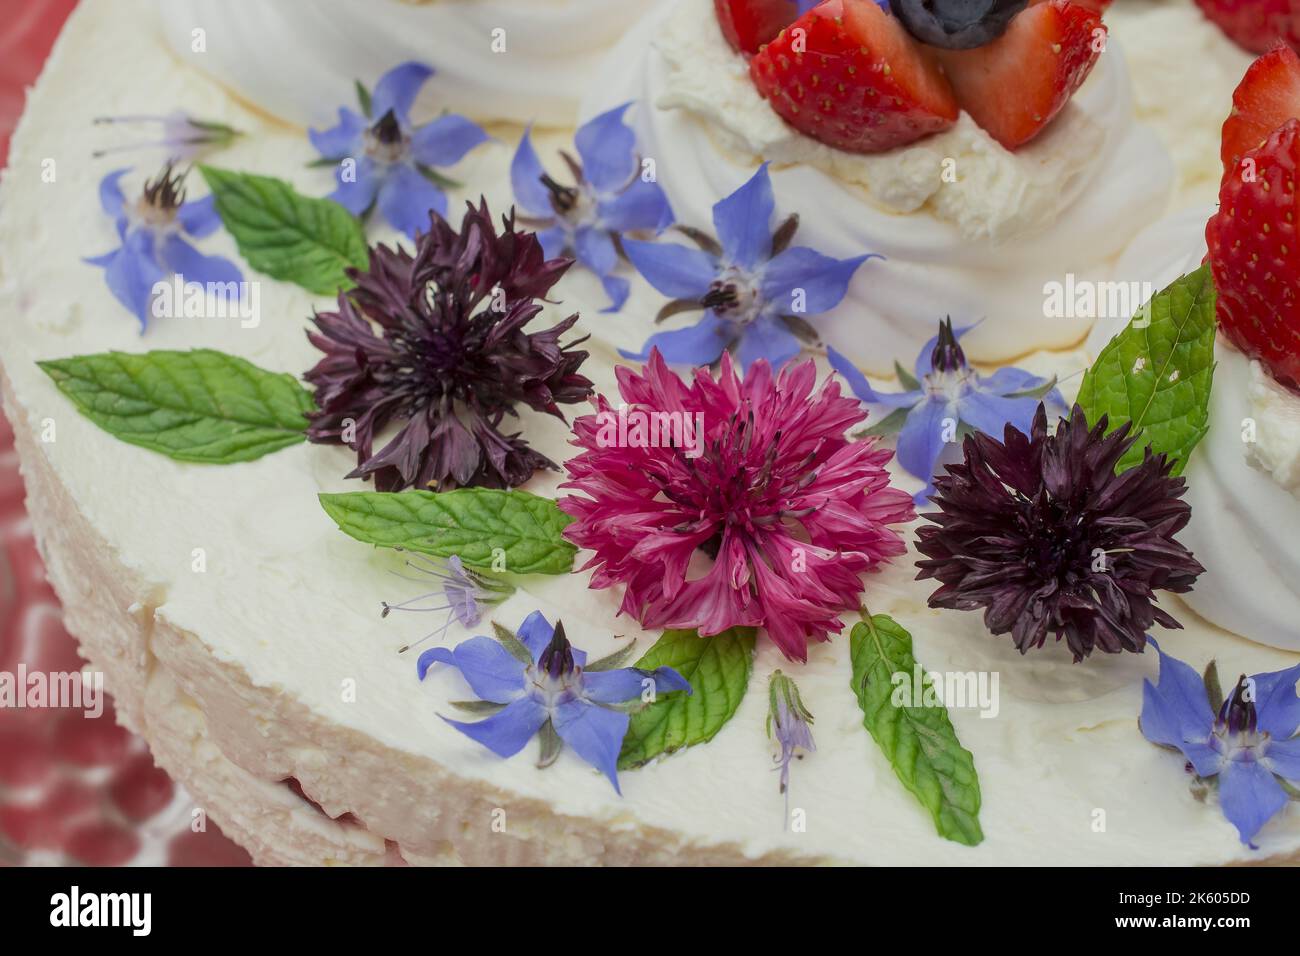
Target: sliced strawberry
x=1015 y=86
x=1255 y=24
x=847 y=74
x=1268 y=96
x=1253 y=254
x=748 y=24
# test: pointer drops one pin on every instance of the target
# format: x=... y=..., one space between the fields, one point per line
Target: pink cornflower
x=743 y=505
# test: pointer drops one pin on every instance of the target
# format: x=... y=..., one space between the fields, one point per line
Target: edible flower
x=946 y=399
x=464 y=594
x=732 y=502
x=384 y=160
x=790 y=722
x=609 y=196
x=153 y=231
x=537 y=683
x=183 y=137
x=436 y=340
x=1041 y=532
x=755 y=287
x=1244 y=745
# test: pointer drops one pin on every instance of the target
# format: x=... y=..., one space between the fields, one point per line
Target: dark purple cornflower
x=1041 y=532
x=437 y=341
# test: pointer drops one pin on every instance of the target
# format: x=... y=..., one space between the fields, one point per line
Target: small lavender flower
x=182 y=136
x=1249 y=748
x=153 y=232
x=394 y=160
x=537 y=683
x=608 y=197
x=946 y=387
x=790 y=722
x=753 y=286
x=464 y=594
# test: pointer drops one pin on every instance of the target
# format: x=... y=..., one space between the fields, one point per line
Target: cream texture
x=1184 y=71
x=1275 y=413
x=1245 y=516
x=981 y=247
x=274 y=661
x=520 y=60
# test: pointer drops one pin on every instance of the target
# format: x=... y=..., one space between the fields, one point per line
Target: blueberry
x=956 y=24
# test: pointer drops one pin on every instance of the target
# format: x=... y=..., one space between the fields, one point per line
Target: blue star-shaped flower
x=609 y=197
x=946 y=387
x=541 y=683
x=754 y=286
x=1248 y=748
x=395 y=161
x=153 y=231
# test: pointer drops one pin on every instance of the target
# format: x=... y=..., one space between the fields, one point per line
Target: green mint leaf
x=919 y=741
x=718 y=669
x=1157 y=372
x=198 y=406
x=288 y=236
x=485 y=527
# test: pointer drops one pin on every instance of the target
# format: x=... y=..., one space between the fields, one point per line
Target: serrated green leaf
x=918 y=741
x=718 y=670
x=288 y=236
x=473 y=523
x=199 y=406
x=1158 y=371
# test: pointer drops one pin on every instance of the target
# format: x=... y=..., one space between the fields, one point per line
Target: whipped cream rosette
x=1241 y=479
x=521 y=60
x=968 y=228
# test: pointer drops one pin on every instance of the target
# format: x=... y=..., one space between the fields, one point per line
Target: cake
x=252 y=633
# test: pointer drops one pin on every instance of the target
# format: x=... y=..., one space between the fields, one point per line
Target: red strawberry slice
x=1255 y=24
x=1015 y=86
x=1253 y=254
x=748 y=24
x=847 y=74
x=1268 y=96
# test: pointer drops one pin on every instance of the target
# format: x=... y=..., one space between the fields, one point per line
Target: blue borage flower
x=790 y=723
x=538 y=683
x=608 y=197
x=464 y=594
x=394 y=161
x=182 y=136
x=1246 y=743
x=153 y=232
x=946 y=387
x=754 y=286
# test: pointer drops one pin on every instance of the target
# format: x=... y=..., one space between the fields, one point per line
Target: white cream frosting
x=1017 y=193
x=239 y=676
x=1275 y=415
x=520 y=60
x=1184 y=71
x=1245 y=516
x=968 y=251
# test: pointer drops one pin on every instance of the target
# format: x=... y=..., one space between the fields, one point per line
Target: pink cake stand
x=73 y=789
